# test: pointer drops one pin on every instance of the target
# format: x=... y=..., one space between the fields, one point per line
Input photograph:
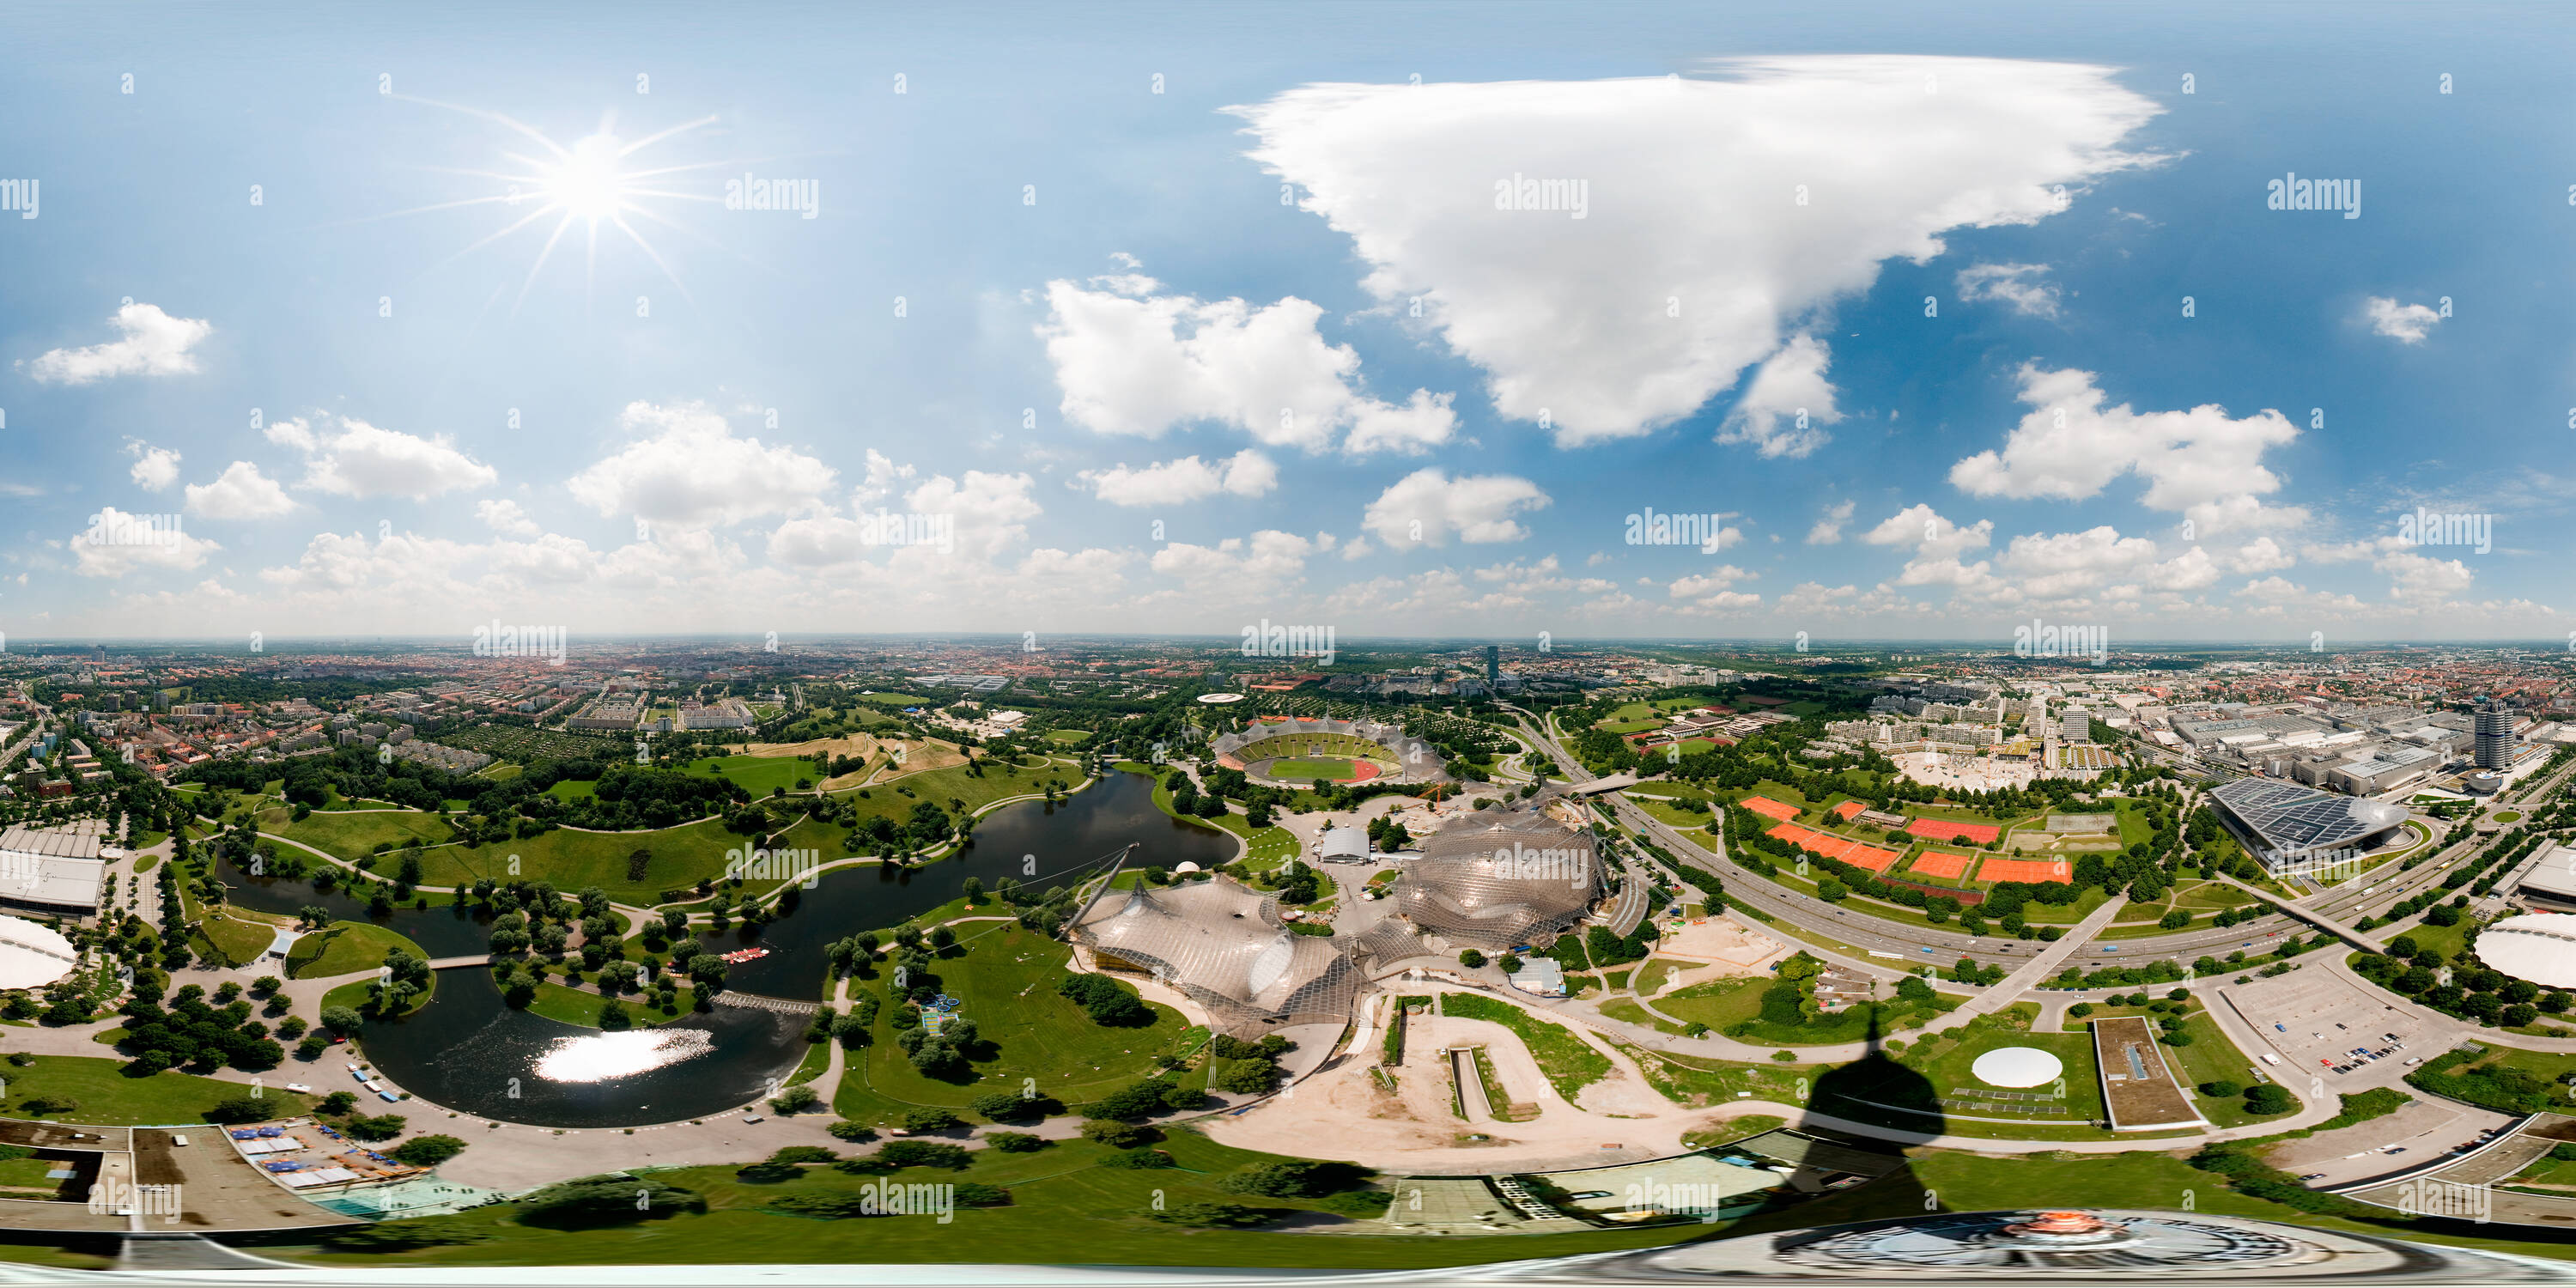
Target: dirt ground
x=1724 y=946
x=857 y=746
x=1345 y=1112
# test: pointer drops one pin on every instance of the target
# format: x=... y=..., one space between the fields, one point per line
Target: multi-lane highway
x=2370 y=895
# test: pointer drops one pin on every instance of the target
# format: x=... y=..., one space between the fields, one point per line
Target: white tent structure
x=32 y=956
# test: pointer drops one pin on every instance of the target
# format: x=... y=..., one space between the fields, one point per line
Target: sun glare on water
x=600 y=1057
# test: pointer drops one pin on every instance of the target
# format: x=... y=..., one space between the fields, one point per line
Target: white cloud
x=506 y=518
x=1785 y=402
x=2200 y=463
x=1131 y=361
x=1937 y=544
x=1427 y=508
x=1248 y=473
x=154 y=344
x=1711 y=591
x=1717 y=212
x=2018 y=285
x=1829 y=529
x=978 y=518
x=155 y=468
x=687 y=469
x=361 y=460
x=2260 y=555
x=2422 y=579
x=240 y=492
x=2404 y=323
x=117 y=543
x=1235 y=570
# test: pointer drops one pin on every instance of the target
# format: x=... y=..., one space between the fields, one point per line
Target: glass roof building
x=2283 y=822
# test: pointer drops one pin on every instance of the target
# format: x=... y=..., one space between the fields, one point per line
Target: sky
x=1402 y=319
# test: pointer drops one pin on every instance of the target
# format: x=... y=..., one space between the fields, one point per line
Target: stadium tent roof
x=2540 y=947
x=2017 y=1067
x=1497 y=878
x=1344 y=843
x=32 y=956
x=1225 y=947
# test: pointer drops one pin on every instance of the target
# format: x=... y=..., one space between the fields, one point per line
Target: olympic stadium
x=1223 y=946
x=1300 y=752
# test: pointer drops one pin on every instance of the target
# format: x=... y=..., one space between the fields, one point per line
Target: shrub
x=428 y=1151
x=380 y=1127
x=405 y=1236
x=796 y=1098
x=978 y=1194
x=1116 y=1134
x=1137 y=1160
x=2220 y=1088
x=242 y=1109
x=847 y=1130
x=928 y=1120
x=614 y=1199
x=1231 y=1216
x=1015 y=1142
x=2266 y=1098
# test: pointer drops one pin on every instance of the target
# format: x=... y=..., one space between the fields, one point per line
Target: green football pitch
x=1298 y=771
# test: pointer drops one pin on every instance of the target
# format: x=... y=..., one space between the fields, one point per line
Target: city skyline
x=909 y=350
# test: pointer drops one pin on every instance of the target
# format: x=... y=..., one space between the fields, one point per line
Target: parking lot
x=2328 y=1034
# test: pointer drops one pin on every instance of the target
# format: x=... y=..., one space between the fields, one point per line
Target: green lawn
x=1717 y=1003
x=108 y=1098
x=240 y=940
x=680 y=857
x=1005 y=981
x=1065 y=1209
x=582 y=1006
x=758 y=775
x=1940 y=1066
x=1307 y=769
x=1068 y=736
x=2212 y=1058
x=345 y=947
x=574 y=789
x=1570 y=1063
x=353 y=836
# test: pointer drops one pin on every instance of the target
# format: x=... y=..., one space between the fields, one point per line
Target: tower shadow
x=1881 y=1090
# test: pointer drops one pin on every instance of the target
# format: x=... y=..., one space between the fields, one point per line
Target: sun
x=587 y=181
x=596 y=182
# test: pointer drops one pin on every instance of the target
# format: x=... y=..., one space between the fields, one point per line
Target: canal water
x=468 y=1050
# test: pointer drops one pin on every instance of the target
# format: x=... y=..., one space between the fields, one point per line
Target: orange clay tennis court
x=1835 y=847
x=1849 y=809
x=1942 y=829
x=1769 y=808
x=1938 y=863
x=2033 y=871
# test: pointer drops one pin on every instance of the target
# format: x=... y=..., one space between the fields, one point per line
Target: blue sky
x=1133 y=390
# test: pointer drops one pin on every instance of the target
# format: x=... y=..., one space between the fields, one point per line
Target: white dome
x=1185 y=869
x=31 y=955
x=2540 y=947
x=2019 y=1066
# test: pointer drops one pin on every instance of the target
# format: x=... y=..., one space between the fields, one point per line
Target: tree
x=595 y=1201
x=428 y=1151
x=1014 y=1142
x=337 y=1103
x=2220 y=1088
x=930 y=1120
x=341 y=1019
x=242 y=1109
x=1231 y=1216
x=380 y=1127
x=2267 y=1098
x=1471 y=959
x=1116 y=1134
x=796 y=1099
